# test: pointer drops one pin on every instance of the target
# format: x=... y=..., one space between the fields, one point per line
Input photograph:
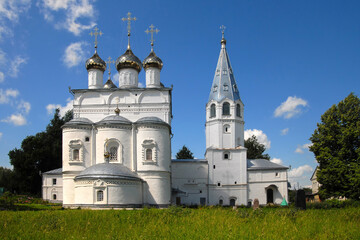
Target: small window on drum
x=226 y=128
x=113 y=154
x=149 y=155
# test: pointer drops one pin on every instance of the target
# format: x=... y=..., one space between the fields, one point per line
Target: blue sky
x=292 y=60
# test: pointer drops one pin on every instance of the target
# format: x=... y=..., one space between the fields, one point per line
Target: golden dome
x=128 y=60
x=95 y=62
x=152 y=61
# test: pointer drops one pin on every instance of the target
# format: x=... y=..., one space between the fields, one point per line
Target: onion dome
x=128 y=60
x=95 y=62
x=108 y=170
x=152 y=61
x=109 y=84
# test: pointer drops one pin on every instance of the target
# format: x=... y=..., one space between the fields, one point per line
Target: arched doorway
x=269 y=196
x=232 y=202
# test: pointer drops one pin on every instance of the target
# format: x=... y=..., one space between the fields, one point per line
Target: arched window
x=226 y=155
x=226 y=128
x=213 y=110
x=232 y=202
x=148 y=154
x=226 y=108
x=238 y=110
x=100 y=195
x=221 y=202
x=113 y=154
x=76 y=154
x=54 y=196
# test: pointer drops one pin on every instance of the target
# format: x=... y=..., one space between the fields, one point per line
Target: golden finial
x=96 y=33
x=129 y=19
x=117 y=110
x=222 y=27
x=109 y=62
x=152 y=31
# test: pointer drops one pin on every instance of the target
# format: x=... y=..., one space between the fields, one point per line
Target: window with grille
x=113 y=154
x=100 y=195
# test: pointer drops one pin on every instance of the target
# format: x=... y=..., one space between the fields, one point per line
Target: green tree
x=184 y=153
x=255 y=150
x=39 y=153
x=336 y=146
x=6 y=176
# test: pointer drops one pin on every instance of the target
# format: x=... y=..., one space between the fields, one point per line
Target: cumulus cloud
x=291 y=107
x=50 y=108
x=24 y=106
x=7 y=95
x=78 y=15
x=74 y=54
x=277 y=161
x=16 y=119
x=260 y=135
x=300 y=171
x=15 y=65
x=284 y=131
x=300 y=149
x=10 y=11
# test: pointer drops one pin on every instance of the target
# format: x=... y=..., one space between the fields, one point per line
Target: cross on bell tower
x=129 y=19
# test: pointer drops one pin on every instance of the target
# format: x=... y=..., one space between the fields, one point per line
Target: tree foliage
x=336 y=146
x=184 y=153
x=255 y=150
x=39 y=153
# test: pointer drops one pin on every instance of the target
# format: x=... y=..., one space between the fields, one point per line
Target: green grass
x=182 y=223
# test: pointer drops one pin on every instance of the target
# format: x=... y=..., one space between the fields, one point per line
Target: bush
x=333 y=203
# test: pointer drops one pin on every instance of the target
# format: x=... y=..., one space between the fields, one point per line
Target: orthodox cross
x=129 y=19
x=152 y=31
x=222 y=27
x=109 y=62
x=96 y=33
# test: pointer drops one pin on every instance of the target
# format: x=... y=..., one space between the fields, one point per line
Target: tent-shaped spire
x=224 y=84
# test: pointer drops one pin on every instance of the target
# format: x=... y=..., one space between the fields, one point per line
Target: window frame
x=212 y=110
x=226 y=109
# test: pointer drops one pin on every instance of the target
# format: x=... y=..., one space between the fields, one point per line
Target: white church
x=117 y=149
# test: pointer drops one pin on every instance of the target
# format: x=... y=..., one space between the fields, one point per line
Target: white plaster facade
x=117 y=149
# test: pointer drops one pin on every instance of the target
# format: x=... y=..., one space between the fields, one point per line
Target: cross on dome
x=129 y=19
x=152 y=31
x=96 y=33
x=109 y=62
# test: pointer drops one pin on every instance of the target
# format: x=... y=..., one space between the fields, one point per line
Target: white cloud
x=74 y=54
x=15 y=65
x=277 y=161
x=50 y=108
x=10 y=11
x=290 y=108
x=284 y=131
x=140 y=85
x=79 y=15
x=24 y=106
x=260 y=135
x=300 y=171
x=300 y=149
x=2 y=77
x=8 y=94
x=1 y=135
x=16 y=119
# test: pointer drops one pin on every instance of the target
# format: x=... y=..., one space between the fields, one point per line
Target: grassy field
x=182 y=223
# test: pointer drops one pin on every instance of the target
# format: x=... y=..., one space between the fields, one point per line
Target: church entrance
x=269 y=196
x=232 y=202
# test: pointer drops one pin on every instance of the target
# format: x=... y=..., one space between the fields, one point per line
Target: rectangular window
x=54 y=181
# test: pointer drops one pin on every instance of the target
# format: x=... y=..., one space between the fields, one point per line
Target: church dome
x=108 y=170
x=150 y=120
x=95 y=62
x=78 y=121
x=114 y=119
x=128 y=60
x=152 y=61
x=109 y=84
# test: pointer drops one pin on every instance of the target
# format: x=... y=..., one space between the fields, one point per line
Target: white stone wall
x=190 y=180
x=49 y=189
x=95 y=78
x=226 y=193
x=260 y=180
